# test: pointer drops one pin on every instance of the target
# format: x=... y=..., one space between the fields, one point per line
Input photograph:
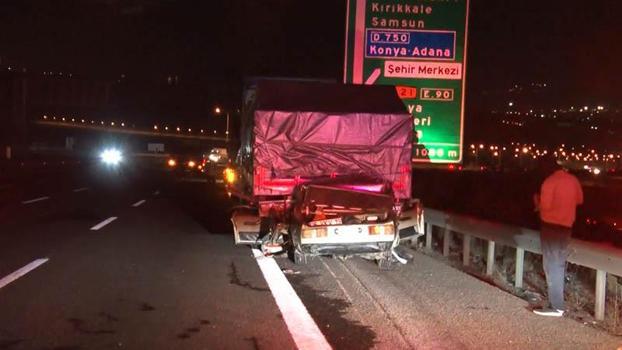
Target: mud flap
x=411 y=224
x=246 y=226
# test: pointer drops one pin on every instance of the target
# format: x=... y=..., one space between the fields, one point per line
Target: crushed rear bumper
x=347 y=248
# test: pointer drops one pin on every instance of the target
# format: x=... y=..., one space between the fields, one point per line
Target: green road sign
x=418 y=46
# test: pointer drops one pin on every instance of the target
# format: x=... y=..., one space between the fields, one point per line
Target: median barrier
x=601 y=257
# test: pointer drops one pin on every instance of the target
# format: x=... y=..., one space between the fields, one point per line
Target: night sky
x=214 y=44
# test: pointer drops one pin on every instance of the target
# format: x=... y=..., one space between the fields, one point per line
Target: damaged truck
x=324 y=169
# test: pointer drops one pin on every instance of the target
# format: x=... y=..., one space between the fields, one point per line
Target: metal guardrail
x=601 y=257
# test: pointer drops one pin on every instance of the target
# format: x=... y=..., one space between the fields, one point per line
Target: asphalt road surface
x=97 y=259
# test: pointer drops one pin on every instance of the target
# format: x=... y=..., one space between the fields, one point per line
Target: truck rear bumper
x=246 y=225
x=346 y=249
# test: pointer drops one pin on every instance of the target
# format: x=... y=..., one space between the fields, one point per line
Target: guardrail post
x=428 y=236
x=490 y=261
x=520 y=265
x=601 y=289
x=466 y=250
x=446 y=239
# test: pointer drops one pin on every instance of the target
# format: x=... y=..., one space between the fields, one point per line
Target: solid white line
x=22 y=271
x=81 y=189
x=303 y=329
x=103 y=223
x=35 y=200
x=139 y=203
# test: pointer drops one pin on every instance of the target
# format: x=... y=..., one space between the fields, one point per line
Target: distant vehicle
x=184 y=164
x=111 y=156
x=325 y=170
x=214 y=163
x=217 y=156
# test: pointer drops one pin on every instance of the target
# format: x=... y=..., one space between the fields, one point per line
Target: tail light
x=314 y=232
x=381 y=230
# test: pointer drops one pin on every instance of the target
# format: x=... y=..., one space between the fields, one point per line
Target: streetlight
x=218 y=112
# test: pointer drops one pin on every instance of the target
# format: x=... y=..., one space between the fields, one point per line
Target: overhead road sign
x=419 y=47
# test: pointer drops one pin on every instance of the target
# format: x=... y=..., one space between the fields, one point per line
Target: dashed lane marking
x=103 y=223
x=338 y=282
x=21 y=272
x=139 y=203
x=302 y=327
x=156 y=192
x=35 y=200
x=80 y=189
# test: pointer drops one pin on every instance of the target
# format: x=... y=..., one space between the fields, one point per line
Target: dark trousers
x=554 y=240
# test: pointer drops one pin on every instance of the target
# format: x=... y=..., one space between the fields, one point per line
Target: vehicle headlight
x=191 y=164
x=111 y=156
x=172 y=162
x=213 y=157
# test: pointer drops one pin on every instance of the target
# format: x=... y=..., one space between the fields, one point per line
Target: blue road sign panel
x=410 y=44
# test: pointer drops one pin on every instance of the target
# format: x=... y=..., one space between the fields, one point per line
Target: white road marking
x=22 y=271
x=303 y=329
x=157 y=192
x=103 y=223
x=81 y=189
x=139 y=203
x=35 y=200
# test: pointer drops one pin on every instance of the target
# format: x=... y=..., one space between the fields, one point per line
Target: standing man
x=560 y=194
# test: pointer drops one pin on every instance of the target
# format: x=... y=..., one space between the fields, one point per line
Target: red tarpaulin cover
x=293 y=131
x=290 y=147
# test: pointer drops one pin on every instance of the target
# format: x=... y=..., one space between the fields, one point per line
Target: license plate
x=348 y=231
